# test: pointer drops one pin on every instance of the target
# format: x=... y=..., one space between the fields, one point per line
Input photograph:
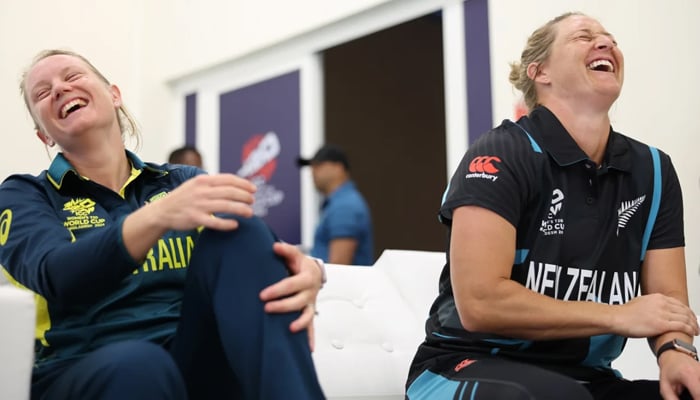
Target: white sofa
x=17 y=313
x=370 y=322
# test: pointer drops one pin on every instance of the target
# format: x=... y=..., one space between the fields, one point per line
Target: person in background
x=344 y=232
x=565 y=239
x=152 y=281
x=186 y=155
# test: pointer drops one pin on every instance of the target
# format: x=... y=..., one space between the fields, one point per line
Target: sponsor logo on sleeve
x=5 y=221
x=484 y=167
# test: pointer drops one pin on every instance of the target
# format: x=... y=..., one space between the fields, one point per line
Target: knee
x=250 y=229
x=249 y=245
x=141 y=367
x=135 y=355
x=252 y=237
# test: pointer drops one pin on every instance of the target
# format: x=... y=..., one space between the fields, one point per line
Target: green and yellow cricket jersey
x=61 y=238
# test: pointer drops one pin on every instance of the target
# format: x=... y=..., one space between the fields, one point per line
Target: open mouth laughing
x=601 y=65
x=71 y=107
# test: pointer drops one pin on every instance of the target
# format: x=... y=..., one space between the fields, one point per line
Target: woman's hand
x=678 y=371
x=297 y=292
x=654 y=314
x=194 y=202
x=189 y=206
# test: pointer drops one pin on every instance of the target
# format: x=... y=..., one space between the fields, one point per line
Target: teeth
x=71 y=104
x=597 y=63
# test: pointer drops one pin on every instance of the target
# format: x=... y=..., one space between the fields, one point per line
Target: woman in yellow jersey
x=135 y=302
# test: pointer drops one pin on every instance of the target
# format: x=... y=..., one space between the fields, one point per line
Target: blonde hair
x=537 y=50
x=127 y=123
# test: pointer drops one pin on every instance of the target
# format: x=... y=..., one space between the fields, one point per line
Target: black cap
x=328 y=152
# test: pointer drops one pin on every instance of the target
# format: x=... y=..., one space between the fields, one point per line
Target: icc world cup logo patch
x=82 y=215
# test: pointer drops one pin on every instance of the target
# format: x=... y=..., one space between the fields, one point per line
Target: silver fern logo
x=626 y=211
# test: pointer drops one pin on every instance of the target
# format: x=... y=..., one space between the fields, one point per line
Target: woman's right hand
x=189 y=206
x=654 y=314
x=194 y=203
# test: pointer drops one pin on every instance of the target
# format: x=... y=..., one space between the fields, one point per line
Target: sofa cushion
x=370 y=324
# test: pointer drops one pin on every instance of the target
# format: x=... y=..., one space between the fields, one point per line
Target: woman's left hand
x=297 y=292
x=678 y=372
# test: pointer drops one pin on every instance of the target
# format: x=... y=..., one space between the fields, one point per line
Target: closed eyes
x=40 y=94
x=43 y=92
x=588 y=36
x=73 y=76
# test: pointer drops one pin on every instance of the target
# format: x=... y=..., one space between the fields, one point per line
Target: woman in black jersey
x=566 y=238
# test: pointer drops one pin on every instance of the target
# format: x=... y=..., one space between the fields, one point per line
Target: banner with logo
x=259 y=137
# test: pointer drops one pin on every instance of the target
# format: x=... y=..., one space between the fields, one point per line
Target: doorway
x=384 y=104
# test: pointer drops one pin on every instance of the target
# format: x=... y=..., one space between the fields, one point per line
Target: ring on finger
x=313 y=308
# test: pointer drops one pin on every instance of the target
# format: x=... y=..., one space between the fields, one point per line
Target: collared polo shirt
x=580 y=228
x=60 y=237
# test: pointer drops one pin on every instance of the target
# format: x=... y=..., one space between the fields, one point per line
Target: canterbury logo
x=626 y=211
x=484 y=164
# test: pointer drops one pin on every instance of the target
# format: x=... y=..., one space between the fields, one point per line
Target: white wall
x=144 y=45
x=140 y=46
x=105 y=34
x=182 y=37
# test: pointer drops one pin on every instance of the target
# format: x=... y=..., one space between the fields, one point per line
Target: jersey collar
x=60 y=167
x=562 y=147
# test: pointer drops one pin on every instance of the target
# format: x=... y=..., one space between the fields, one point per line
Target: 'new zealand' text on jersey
x=580 y=228
x=60 y=237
